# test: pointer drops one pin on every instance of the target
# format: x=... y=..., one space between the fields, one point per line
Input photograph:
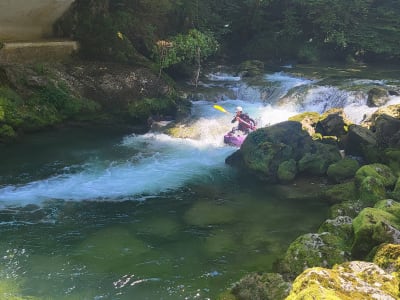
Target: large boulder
x=387 y=131
x=360 y=141
x=372 y=227
x=350 y=280
x=343 y=170
x=312 y=250
x=378 y=171
x=333 y=123
x=272 y=150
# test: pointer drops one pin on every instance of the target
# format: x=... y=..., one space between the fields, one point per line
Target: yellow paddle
x=220 y=108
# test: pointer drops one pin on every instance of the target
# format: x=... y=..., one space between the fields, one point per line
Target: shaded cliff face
x=22 y=20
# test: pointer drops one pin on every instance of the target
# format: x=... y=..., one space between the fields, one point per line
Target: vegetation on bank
x=44 y=106
x=272 y=30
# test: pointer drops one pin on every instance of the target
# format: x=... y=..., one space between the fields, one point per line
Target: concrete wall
x=28 y=20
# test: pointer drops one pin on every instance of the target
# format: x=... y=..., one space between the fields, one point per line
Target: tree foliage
x=191 y=48
x=256 y=29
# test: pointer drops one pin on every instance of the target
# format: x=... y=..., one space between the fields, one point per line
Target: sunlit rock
x=377 y=96
x=350 y=280
x=387 y=257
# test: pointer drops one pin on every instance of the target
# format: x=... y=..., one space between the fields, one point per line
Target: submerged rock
x=204 y=214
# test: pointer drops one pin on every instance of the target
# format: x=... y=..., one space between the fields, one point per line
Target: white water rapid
x=160 y=163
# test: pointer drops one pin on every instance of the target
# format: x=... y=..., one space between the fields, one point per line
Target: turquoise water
x=105 y=214
x=186 y=241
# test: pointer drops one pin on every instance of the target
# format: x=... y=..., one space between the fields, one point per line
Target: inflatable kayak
x=234 y=138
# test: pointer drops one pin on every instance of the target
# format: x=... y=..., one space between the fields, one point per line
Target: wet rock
x=377 y=97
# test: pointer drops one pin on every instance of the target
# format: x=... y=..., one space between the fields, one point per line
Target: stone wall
x=29 y=20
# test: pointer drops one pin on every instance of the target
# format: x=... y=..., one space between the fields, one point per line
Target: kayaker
x=245 y=122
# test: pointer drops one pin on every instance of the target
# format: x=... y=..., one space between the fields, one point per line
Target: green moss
x=287 y=171
x=346 y=208
x=342 y=170
x=391 y=158
x=341 y=227
x=309 y=117
x=310 y=250
x=267 y=286
x=389 y=206
x=342 y=192
x=372 y=227
x=387 y=257
x=372 y=190
x=379 y=171
x=141 y=110
x=347 y=281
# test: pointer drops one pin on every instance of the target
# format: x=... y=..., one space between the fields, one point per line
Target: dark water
x=190 y=242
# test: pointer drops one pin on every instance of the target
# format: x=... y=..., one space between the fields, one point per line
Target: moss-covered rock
x=311 y=250
x=346 y=208
x=343 y=170
x=265 y=286
x=266 y=149
x=387 y=257
x=287 y=171
x=372 y=227
x=371 y=190
x=318 y=161
x=379 y=171
x=391 y=157
x=308 y=121
x=342 y=227
x=339 y=193
x=390 y=206
x=347 y=281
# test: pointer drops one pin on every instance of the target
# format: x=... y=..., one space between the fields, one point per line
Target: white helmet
x=239 y=108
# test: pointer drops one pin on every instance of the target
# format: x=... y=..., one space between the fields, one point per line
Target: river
x=98 y=213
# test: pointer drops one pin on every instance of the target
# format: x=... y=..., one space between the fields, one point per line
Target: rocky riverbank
x=40 y=95
x=355 y=252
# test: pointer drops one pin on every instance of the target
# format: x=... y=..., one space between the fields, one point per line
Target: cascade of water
x=159 y=162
